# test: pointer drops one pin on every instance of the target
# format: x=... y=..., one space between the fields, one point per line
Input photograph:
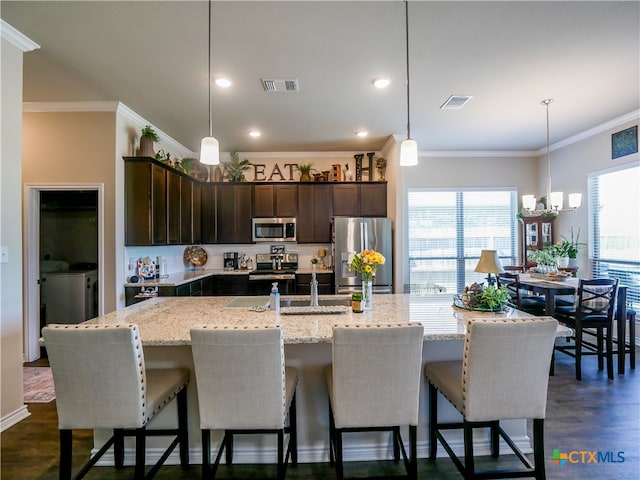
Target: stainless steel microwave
x=273 y=229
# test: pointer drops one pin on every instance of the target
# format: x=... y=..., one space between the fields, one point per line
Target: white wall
x=12 y=408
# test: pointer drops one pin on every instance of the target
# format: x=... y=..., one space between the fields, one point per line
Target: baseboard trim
x=14 y=417
x=320 y=454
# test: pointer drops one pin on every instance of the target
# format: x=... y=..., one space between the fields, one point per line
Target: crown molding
x=52 y=107
x=17 y=38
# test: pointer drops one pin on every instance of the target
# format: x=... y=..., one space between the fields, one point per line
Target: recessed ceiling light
x=362 y=133
x=223 y=82
x=254 y=133
x=381 y=82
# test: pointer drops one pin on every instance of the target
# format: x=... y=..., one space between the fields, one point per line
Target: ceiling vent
x=455 y=102
x=271 y=85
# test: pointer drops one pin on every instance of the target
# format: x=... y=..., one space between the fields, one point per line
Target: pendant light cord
x=547 y=102
x=406 y=25
x=209 y=76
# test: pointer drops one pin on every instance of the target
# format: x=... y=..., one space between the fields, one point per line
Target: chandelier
x=554 y=200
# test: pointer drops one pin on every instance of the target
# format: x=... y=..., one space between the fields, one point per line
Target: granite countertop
x=179 y=278
x=166 y=321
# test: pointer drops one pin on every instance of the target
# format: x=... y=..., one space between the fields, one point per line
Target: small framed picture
x=624 y=142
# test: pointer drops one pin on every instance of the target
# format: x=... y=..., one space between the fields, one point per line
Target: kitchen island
x=164 y=325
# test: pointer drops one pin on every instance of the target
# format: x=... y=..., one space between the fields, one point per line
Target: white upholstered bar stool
x=503 y=375
x=101 y=383
x=244 y=387
x=374 y=385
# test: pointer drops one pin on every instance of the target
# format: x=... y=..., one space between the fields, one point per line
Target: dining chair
x=374 y=385
x=503 y=375
x=533 y=304
x=244 y=388
x=101 y=382
x=593 y=310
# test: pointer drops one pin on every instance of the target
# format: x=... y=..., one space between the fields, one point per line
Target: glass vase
x=367 y=294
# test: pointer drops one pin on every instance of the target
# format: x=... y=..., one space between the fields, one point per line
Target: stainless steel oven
x=270 y=268
x=273 y=229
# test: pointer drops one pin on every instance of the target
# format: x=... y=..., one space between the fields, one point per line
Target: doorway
x=63 y=248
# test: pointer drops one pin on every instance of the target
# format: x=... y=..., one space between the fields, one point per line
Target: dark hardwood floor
x=595 y=415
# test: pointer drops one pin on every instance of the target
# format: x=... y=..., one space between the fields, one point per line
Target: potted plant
x=235 y=168
x=314 y=263
x=305 y=171
x=572 y=247
x=545 y=258
x=147 y=138
x=381 y=166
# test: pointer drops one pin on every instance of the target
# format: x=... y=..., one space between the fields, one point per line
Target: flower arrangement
x=366 y=263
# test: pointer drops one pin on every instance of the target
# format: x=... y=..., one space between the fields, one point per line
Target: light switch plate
x=4 y=254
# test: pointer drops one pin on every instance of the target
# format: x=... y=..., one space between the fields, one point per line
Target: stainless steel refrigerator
x=351 y=235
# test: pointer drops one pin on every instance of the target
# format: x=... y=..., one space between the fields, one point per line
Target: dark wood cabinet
x=233 y=213
x=196 y=212
x=146 y=204
x=208 y=213
x=536 y=233
x=325 y=283
x=314 y=213
x=231 y=285
x=360 y=199
x=186 y=211
x=373 y=199
x=346 y=200
x=173 y=208
x=275 y=200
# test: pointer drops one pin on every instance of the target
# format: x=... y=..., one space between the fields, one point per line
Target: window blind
x=449 y=229
x=614 y=235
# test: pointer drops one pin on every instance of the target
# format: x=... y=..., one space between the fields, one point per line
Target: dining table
x=552 y=286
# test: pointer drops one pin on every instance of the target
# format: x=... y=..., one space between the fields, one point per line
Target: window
x=449 y=229
x=615 y=228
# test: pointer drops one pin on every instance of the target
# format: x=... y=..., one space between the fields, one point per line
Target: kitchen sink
x=323 y=302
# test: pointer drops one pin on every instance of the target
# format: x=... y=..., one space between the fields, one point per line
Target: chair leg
x=141 y=441
x=228 y=438
x=538 y=448
x=610 y=351
x=413 y=446
x=332 y=437
x=578 y=339
x=495 y=439
x=552 y=366
x=396 y=444
x=468 y=449
x=339 y=464
x=293 y=431
x=66 y=452
x=118 y=448
x=433 y=421
x=632 y=340
x=281 y=454
x=183 y=432
x=600 y=343
x=206 y=453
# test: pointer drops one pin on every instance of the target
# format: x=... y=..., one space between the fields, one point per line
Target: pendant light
x=409 y=147
x=210 y=148
x=555 y=200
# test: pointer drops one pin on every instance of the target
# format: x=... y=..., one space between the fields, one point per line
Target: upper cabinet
x=360 y=199
x=233 y=213
x=166 y=207
x=314 y=213
x=275 y=200
x=146 y=204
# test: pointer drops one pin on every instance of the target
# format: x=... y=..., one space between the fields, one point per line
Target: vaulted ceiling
x=509 y=55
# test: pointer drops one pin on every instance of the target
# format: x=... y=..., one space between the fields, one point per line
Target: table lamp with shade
x=489 y=263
